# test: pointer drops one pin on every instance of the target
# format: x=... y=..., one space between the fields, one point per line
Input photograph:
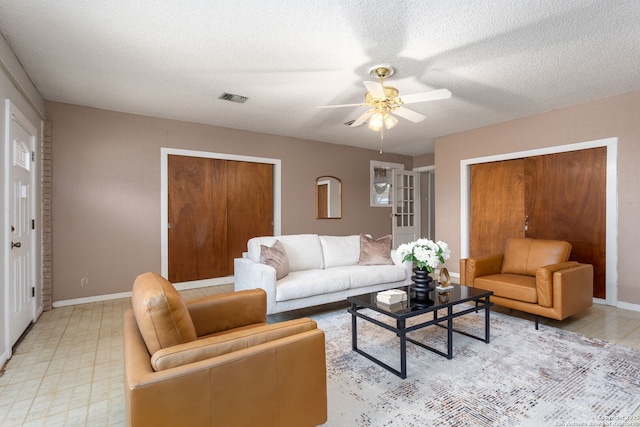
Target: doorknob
x=16 y=245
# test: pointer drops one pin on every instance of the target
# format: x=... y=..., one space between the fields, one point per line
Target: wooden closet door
x=562 y=195
x=250 y=205
x=197 y=211
x=566 y=200
x=497 y=206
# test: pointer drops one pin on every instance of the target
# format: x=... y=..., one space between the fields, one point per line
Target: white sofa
x=322 y=269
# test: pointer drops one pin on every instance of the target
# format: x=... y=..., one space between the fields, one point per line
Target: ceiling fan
x=385 y=102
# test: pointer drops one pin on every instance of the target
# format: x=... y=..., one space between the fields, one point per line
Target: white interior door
x=21 y=269
x=405 y=217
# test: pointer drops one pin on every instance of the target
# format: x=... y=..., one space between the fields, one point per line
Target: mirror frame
x=331 y=196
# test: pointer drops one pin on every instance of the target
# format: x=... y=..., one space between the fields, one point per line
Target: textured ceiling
x=500 y=59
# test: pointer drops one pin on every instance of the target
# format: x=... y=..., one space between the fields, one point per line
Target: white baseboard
x=179 y=286
x=87 y=300
x=4 y=357
x=203 y=283
x=628 y=306
x=620 y=304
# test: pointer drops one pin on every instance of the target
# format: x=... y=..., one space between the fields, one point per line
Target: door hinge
x=33 y=292
x=33 y=224
x=33 y=156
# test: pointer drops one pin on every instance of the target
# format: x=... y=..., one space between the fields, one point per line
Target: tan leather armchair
x=533 y=275
x=216 y=362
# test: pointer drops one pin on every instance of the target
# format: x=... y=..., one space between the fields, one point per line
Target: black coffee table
x=443 y=315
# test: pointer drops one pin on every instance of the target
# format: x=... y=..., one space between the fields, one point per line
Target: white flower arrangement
x=425 y=253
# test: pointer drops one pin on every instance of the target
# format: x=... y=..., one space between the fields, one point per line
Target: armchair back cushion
x=524 y=255
x=161 y=313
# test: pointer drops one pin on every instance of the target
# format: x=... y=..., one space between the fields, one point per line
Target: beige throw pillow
x=375 y=252
x=276 y=257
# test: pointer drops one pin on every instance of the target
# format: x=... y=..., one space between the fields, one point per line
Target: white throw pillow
x=339 y=251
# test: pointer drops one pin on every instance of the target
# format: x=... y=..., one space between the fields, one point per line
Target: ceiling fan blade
x=363 y=118
x=375 y=89
x=426 y=96
x=409 y=114
x=340 y=105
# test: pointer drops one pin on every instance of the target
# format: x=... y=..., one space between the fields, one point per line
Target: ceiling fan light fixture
x=384 y=100
x=389 y=121
x=380 y=119
x=376 y=121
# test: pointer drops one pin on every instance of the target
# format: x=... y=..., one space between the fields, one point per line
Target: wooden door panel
x=566 y=200
x=197 y=194
x=322 y=201
x=496 y=206
x=250 y=205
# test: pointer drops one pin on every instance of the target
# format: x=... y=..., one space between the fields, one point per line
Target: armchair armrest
x=284 y=379
x=479 y=266
x=218 y=345
x=573 y=289
x=544 y=281
x=227 y=311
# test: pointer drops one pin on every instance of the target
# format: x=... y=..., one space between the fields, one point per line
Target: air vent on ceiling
x=233 y=98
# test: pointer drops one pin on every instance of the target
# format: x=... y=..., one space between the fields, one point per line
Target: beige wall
x=106 y=200
x=617 y=116
x=422 y=160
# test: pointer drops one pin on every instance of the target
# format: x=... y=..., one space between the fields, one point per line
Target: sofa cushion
x=375 y=252
x=308 y=283
x=340 y=250
x=303 y=250
x=161 y=313
x=276 y=257
x=524 y=255
x=513 y=286
x=369 y=275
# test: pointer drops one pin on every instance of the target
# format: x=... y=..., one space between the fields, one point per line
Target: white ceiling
x=501 y=59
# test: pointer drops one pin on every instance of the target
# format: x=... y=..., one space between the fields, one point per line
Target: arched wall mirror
x=328 y=198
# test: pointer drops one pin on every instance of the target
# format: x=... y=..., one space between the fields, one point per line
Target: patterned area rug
x=523 y=377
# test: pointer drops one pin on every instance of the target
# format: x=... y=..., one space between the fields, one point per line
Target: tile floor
x=68 y=369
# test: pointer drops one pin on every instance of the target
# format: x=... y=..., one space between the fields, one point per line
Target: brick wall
x=47 y=241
